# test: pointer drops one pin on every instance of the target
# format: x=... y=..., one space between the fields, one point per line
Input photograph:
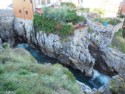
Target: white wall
x=52 y=2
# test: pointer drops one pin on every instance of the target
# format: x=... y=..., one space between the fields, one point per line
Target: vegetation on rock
x=6 y=45
x=118 y=41
x=56 y=20
x=108 y=20
x=21 y=74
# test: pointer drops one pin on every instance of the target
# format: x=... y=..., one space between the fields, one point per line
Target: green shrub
x=66 y=29
x=68 y=4
x=1 y=71
x=62 y=15
x=56 y=20
x=72 y=17
x=24 y=76
x=113 y=21
x=24 y=72
x=50 y=26
x=108 y=20
x=6 y=45
x=9 y=86
x=44 y=24
x=56 y=14
x=70 y=75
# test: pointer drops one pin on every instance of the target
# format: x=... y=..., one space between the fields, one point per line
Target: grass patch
x=118 y=41
x=19 y=74
x=108 y=20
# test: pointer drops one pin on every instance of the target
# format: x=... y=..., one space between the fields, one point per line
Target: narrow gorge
x=83 y=51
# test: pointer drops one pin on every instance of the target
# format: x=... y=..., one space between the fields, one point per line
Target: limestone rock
x=115 y=60
x=6 y=24
x=73 y=52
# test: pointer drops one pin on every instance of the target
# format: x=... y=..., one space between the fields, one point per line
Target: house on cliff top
x=25 y=9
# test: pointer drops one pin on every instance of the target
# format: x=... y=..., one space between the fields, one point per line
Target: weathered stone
x=51 y=45
x=84 y=88
x=117 y=85
x=78 y=52
x=115 y=60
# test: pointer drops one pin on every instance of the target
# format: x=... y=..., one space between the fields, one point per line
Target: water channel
x=96 y=81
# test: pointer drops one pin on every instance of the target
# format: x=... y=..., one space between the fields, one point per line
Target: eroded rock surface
x=82 y=50
x=73 y=52
x=6 y=26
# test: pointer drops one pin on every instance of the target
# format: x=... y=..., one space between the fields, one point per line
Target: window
x=48 y=1
x=19 y=11
x=26 y=12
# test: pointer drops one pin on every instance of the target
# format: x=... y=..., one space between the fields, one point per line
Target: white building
x=45 y=3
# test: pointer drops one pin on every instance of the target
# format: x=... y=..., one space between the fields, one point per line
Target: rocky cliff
x=6 y=25
x=73 y=51
x=83 y=50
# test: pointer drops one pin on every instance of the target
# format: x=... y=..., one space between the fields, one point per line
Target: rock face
x=82 y=50
x=117 y=85
x=73 y=52
x=115 y=60
x=85 y=89
x=107 y=60
x=6 y=25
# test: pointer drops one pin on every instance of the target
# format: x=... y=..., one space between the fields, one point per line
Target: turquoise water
x=96 y=81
